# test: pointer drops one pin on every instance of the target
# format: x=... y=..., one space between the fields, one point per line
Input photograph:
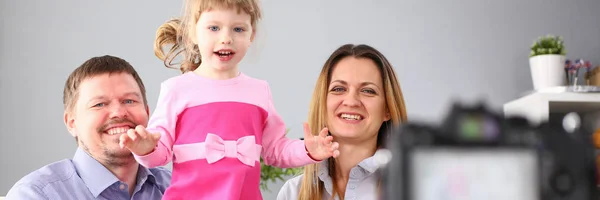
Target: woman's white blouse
x=362 y=183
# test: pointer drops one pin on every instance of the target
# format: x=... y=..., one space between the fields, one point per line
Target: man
x=103 y=98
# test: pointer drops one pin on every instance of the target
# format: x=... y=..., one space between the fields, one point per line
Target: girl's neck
x=212 y=73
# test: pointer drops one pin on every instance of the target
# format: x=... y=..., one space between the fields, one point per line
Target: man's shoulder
x=53 y=172
x=36 y=181
x=162 y=175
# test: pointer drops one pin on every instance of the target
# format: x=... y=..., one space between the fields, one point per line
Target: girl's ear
x=253 y=35
x=192 y=35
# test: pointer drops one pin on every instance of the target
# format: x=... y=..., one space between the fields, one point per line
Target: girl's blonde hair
x=311 y=187
x=180 y=32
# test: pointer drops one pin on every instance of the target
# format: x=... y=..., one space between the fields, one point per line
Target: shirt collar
x=364 y=168
x=145 y=175
x=95 y=176
x=98 y=178
x=368 y=166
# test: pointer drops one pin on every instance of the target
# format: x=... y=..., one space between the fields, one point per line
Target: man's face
x=106 y=107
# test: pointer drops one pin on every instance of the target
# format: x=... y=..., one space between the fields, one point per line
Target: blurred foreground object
x=478 y=154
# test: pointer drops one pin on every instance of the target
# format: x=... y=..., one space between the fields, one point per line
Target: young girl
x=212 y=121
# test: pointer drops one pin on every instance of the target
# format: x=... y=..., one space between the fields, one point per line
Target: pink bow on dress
x=244 y=149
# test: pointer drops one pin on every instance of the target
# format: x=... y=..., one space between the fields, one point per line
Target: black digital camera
x=477 y=154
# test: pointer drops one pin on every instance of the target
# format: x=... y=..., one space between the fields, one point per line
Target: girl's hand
x=320 y=147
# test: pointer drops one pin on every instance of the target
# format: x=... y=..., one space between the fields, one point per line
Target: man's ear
x=147 y=110
x=70 y=123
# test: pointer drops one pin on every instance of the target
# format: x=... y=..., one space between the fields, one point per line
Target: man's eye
x=99 y=105
x=129 y=101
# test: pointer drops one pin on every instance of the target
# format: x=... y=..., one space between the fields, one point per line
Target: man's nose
x=118 y=110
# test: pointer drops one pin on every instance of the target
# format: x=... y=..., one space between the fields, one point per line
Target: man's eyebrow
x=99 y=97
x=136 y=94
x=128 y=94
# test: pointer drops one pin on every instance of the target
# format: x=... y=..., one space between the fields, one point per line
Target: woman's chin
x=346 y=134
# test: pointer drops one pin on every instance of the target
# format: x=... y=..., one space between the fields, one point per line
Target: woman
x=358 y=98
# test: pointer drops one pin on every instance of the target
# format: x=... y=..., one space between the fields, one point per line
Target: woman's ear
x=387 y=116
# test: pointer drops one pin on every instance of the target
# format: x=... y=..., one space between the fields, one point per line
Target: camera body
x=478 y=154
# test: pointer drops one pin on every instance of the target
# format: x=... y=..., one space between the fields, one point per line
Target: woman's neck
x=351 y=155
x=213 y=73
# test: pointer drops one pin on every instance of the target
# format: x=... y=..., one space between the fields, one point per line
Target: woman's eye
x=337 y=89
x=370 y=91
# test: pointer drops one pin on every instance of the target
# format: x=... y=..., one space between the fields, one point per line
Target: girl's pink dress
x=215 y=132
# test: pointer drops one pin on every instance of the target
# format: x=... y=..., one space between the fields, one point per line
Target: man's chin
x=120 y=153
x=118 y=157
x=115 y=150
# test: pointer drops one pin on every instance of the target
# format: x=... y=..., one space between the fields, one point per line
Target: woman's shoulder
x=290 y=189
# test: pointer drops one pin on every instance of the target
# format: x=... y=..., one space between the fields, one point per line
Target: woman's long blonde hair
x=311 y=187
x=180 y=33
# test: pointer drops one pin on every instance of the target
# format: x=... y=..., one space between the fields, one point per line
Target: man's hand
x=139 y=141
x=320 y=146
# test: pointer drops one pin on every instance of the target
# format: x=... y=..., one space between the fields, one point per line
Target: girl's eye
x=238 y=29
x=213 y=28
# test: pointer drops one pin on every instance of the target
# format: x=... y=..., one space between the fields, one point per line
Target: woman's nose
x=352 y=99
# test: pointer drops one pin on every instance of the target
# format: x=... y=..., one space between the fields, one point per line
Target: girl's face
x=223 y=37
x=356 y=100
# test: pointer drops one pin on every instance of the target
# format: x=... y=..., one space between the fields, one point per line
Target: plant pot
x=547 y=71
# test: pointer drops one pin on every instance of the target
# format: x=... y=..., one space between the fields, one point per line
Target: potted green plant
x=546 y=61
x=273 y=174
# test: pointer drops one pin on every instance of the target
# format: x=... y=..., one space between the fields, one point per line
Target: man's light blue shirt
x=83 y=177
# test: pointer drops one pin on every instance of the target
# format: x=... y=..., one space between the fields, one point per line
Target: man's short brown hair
x=93 y=67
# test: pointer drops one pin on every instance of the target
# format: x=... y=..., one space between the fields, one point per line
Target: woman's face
x=356 y=100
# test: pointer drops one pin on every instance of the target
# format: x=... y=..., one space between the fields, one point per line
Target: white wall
x=440 y=49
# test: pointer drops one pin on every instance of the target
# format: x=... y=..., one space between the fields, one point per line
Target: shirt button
x=122 y=186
